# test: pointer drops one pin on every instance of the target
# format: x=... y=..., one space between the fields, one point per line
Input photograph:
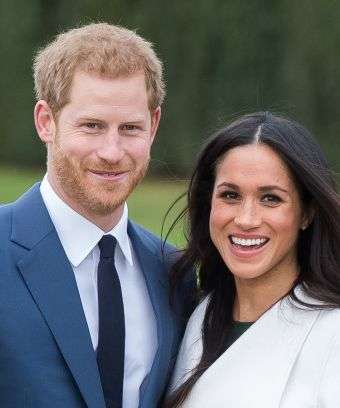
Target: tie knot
x=107 y=246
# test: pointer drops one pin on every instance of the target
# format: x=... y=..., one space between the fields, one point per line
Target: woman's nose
x=248 y=216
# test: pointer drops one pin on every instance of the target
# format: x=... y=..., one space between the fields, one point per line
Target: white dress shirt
x=79 y=238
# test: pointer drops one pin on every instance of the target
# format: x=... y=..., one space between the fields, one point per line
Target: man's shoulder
x=22 y=214
x=6 y=226
x=5 y=217
x=5 y=209
x=27 y=197
x=151 y=240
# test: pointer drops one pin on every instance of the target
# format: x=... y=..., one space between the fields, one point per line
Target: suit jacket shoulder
x=51 y=355
x=5 y=221
x=166 y=252
x=40 y=326
x=167 y=255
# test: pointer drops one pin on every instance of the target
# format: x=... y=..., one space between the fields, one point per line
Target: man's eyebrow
x=88 y=117
x=133 y=120
x=98 y=117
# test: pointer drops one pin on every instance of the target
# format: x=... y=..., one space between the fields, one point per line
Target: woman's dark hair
x=318 y=245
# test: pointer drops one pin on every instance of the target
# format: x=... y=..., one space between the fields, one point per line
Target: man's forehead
x=87 y=76
x=94 y=86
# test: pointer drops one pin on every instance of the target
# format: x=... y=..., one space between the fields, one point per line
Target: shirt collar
x=77 y=234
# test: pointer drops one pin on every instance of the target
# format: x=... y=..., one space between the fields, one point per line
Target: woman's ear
x=307 y=217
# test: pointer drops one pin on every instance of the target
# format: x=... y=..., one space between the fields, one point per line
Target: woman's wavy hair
x=318 y=245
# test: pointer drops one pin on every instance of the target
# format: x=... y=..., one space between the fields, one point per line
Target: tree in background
x=221 y=58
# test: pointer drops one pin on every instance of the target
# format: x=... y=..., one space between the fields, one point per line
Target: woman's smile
x=256 y=213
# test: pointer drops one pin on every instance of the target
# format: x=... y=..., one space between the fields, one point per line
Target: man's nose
x=110 y=147
x=248 y=216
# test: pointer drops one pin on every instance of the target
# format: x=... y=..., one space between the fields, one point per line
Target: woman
x=264 y=235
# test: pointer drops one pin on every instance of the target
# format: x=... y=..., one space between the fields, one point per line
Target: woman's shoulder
x=197 y=317
x=303 y=307
x=201 y=307
x=193 y=331
x=191 y=348
x=330 y=319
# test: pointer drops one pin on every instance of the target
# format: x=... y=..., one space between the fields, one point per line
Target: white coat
x=289 y=358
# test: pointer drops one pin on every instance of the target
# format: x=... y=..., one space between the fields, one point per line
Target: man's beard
x=101 y=197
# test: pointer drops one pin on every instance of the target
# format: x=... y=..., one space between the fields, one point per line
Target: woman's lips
x=247 y=247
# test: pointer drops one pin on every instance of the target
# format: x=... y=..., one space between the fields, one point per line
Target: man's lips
x=108 y=174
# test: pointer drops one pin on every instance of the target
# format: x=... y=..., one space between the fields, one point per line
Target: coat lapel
x=254 y=371
x=50 y=280
x=158 y=287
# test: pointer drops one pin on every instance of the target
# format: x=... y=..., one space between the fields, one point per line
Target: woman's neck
x=255 y=296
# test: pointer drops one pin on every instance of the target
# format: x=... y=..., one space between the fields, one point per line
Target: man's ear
x=155 y=118
x=44 y=121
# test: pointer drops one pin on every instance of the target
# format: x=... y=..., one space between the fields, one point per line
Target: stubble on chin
x=95 y=198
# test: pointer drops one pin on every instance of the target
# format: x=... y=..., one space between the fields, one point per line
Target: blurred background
x=222 y=58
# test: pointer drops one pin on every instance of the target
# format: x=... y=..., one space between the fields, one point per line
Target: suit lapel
x=51 y=282
x=158 y=288
x=254 y=371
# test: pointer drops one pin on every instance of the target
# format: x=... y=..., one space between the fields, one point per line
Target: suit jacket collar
x=77 y=234
x=48 y=274
x=156 y=278
x=50 y=280
x=31 y=221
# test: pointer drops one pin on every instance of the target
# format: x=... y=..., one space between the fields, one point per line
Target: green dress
x=236 y=331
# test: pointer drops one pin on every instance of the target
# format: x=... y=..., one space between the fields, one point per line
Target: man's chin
x=105 y=203
x=101 y=199
x=104 y=207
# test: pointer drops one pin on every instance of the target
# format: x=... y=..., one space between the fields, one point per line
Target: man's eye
x=92 y=125
x=129 y=128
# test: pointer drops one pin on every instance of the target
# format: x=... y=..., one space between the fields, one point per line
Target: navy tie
x=111 y=341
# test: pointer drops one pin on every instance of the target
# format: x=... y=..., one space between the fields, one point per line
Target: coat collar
x=256 y=368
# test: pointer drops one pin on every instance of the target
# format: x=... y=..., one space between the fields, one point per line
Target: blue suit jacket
x=46 y=354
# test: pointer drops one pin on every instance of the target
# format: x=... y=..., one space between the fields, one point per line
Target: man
x=85 y=319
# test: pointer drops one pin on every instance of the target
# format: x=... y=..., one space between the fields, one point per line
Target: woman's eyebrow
x=266 y=188
x=272 y=187
x=229 y=185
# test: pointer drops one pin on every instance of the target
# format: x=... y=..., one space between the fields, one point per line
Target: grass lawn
x=147 y=205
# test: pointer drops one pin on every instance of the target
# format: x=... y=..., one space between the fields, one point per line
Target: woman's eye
x=229 y=195
x=271 y=199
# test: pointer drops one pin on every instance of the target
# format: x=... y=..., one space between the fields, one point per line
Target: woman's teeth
x=248 y=242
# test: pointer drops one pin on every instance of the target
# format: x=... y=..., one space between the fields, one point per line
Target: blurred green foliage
x=221 y=57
